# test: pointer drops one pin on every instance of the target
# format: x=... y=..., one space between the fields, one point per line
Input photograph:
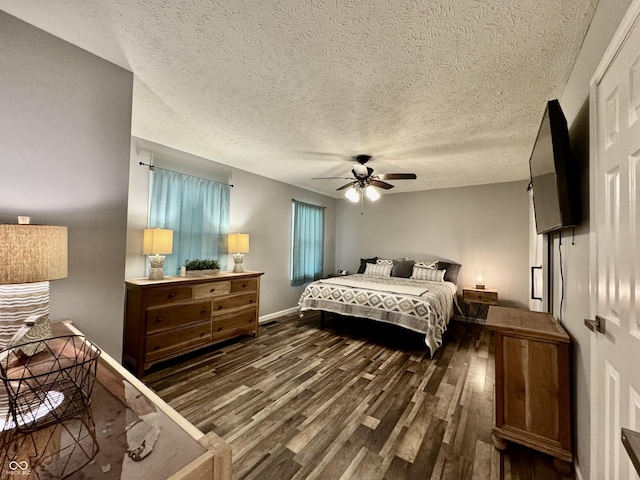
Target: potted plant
x=207 y=266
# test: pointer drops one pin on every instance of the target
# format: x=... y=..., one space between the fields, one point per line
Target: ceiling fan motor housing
x=362 y=159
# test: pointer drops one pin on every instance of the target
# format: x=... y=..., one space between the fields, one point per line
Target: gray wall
x=575 y=249
x=260 y=207
x=65 y=123
x=483 y=226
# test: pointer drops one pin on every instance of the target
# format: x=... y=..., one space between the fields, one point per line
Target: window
x=307 y=246
x=197 y=210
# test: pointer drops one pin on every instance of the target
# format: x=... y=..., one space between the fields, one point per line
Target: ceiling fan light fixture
x=352 y=195
x=371 y=193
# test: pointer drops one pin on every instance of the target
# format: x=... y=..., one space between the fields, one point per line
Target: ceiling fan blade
x=379 y=184
x=331 y=178
x=397 y=176
x=347 y=185
x=320 y=154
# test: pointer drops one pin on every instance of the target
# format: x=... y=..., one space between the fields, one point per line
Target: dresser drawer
x=160 y=296
x=171 y=342
x=245 y=285
x=233 y=325
x=164 y=318
x=219 y=306
x=213 y=289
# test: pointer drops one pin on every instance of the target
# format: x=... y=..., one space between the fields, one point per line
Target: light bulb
x=372 y=193
x=352 y=195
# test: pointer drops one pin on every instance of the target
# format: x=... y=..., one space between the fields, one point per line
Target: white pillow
x=430 y=274
x=433 y=265
x=378 y=269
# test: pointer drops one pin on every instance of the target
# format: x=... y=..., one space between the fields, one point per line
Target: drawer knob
x=219 y=329
x=158 y=320
x=171 y=295
x=204 y=310
x=251 y=301
x=219 y=307
x=212 y=290
x=244 y=285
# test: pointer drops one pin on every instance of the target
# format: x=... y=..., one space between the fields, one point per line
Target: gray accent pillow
x=402 y=268
x=364 y=261
x=452 y=271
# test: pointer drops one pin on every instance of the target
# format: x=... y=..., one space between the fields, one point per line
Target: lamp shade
x=157 y=241
x=32 y=253
x=352 y=195
x=479 y=277
x=238 y=243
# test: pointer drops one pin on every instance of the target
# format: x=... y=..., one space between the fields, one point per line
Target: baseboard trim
x=271 y=316
x=577 y=471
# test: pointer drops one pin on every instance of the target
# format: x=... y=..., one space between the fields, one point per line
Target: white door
x=615 y=244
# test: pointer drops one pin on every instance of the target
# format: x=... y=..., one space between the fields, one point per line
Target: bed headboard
x=403 y=267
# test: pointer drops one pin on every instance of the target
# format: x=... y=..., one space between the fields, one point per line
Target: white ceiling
x=452 y=90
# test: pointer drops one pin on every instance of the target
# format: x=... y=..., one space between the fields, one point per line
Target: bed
x=419 y=296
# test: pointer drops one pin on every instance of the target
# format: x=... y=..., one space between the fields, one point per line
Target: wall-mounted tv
x=554 y=174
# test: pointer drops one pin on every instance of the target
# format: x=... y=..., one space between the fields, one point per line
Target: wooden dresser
x=532 y=396
x=170 y=317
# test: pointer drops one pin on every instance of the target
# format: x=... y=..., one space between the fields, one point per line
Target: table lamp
x=238 y=244
x=30 y=256
x=157 y=243
x=480 y=278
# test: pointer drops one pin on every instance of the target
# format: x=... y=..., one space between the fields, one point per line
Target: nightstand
x=479 y=296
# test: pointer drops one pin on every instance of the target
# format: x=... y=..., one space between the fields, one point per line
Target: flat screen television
x=554 y=174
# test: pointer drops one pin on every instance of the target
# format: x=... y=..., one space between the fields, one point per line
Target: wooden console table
x=532 y=389
x=97 y=442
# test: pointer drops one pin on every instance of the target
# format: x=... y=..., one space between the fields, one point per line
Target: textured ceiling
x=452 y=90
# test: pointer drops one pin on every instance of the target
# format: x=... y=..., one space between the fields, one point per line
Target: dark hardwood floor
x=355 y=400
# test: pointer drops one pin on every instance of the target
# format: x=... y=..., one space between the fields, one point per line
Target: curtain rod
x=294 y=200
x=151 y=167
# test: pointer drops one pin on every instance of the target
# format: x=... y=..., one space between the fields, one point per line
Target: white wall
x=575 y=247
x=260 y=207
x=66 y=124
x=483 y=226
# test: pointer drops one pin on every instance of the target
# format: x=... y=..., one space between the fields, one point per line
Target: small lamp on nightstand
x=480 y=278
x=238 y=244
x=157 y=243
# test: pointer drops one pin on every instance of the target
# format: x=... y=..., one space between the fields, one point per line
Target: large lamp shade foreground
x=32 y=253
x=157 y=242
x=30 y=256
x=238 y=244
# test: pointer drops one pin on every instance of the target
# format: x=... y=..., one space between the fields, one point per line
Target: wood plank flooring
x=355 y=400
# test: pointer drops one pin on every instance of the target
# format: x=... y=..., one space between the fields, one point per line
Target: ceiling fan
x=364 y=178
